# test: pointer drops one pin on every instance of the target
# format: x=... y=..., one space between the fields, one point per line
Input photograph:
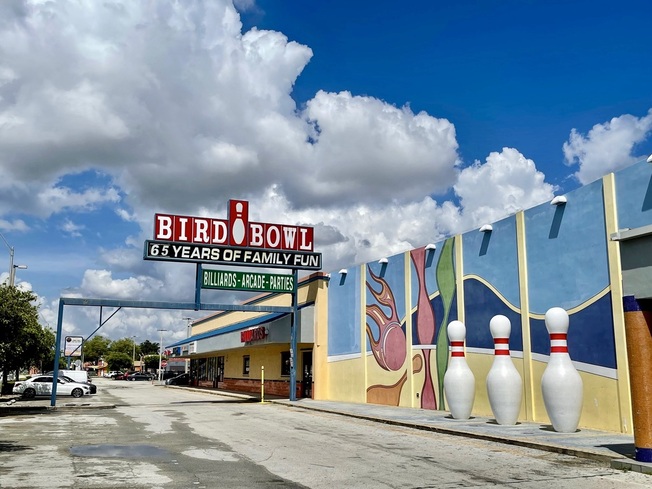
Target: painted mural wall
x=387 y=340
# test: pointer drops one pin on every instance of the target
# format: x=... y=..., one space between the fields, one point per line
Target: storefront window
x=204 y=369
x=245 y=365
x=285 y=363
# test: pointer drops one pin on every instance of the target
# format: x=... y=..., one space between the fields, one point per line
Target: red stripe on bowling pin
x=501 y=346
x=457 y=348
x=558 y=343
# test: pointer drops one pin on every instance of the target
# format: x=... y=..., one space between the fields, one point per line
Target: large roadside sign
x=234 y=241
x=257 y=282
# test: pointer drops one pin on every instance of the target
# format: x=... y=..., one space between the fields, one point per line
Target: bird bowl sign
x=232 y=241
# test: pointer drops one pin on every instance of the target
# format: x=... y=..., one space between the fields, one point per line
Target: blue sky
x=383 y=125
x=513 y=73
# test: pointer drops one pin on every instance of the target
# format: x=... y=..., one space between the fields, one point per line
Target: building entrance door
x=306 y=381
x=220 y=370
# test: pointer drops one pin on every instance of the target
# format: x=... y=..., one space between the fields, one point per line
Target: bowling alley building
x=376 y=332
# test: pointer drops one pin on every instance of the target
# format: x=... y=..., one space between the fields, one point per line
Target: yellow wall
x=600 y=397
x=346 y=381
x=480 y=365
x=616 y=278
x=321 y=372
x=268 y=356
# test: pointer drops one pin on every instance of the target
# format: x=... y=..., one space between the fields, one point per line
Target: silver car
x=41 y=385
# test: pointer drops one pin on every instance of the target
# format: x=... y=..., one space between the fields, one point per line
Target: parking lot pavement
x=15 y=405
x=614 y=449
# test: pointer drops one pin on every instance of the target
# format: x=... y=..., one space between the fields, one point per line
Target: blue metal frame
x=188 y=306
x=293 y=338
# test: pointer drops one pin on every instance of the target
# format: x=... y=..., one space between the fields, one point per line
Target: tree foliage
x=118 y=360
x=123 y=345
x=148 y=348
x=95 y=348
x=23 y=341
x=151 y=362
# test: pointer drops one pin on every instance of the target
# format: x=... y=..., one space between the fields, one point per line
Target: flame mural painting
x=389 y=348
x=431 y=310
x=385 y=330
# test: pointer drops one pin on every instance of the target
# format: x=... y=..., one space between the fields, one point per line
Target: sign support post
x=293 y=339
x=198 y=283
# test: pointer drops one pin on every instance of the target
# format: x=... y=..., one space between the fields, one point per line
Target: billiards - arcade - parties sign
x=234 y=241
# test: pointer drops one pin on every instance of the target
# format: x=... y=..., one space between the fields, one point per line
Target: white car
x=41 y=385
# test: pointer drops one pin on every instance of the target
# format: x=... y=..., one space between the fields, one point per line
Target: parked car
x=183 y=379
x=122 y=375
x=79 y=376
x=41 y=385
x=91 y=386
x=139 y=376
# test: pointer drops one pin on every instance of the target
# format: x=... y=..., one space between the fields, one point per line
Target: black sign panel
x=227 y=255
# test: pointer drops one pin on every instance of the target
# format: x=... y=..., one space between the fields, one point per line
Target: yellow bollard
x=262 y=384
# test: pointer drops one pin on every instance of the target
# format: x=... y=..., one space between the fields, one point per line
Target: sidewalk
x=614 y=449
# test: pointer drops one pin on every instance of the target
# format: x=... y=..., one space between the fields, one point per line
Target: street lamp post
x=133 y=356
x=160 y=354
x=12 y=267
x=188 y=330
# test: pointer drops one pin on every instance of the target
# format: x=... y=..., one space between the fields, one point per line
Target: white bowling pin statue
x=459 y=382
x=561 y=384
x=504 y=384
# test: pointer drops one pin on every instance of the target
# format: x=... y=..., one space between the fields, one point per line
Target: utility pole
x=133 y=356
x=12 y=267
x=160 y=354
x=188 y=330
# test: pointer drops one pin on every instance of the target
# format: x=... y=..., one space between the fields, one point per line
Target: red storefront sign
x=259 y=333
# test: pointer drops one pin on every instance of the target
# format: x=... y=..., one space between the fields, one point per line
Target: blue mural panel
x=481 y=304
x=590 y=337
x=344 y=313
x=634 y=196
x=493 y=256
x=567 y=251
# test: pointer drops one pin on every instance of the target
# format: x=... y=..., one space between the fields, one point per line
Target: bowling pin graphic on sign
x=239 y=220
x=561 y=385
x=459 y=382
x=504 y=384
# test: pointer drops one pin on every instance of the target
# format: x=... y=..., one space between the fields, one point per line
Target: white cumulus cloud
x=607 y=147
x=505 y=183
